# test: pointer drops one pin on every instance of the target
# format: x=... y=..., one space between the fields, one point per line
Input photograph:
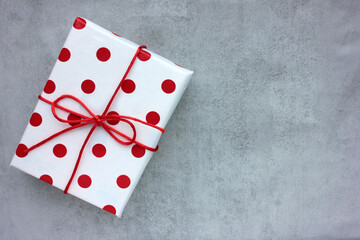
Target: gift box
x=100 y=116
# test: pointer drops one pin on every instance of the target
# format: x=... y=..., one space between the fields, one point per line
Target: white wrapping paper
x=90 y=66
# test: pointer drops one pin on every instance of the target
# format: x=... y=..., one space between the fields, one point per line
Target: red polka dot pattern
x=64 y=55
x=35 y=119
x=123 y=181
x=49 y=87
x=128 y=86
x=84 y=87
x=73 y=117
x=99 y=150
x=110 y=209
x=144 y=55
x=112 y=122
x=46 y=178
x=59 y=150
x=168 y=86
x=84 y=181
x=153 y=117
x=88 y=86
x=103 y=54
x=79 y=23
x=21 y=150
x=137 y=151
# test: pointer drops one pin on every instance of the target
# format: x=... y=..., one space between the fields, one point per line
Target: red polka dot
x=153 y=117
x=88 y=86
x=144 y=55
x=21 y=150
x=128 y=86
x=99 y=150
x=35 y=119
x=79 y=23
x=123 y=181
x=168 y=86
x=46 y=178
x=112 y=122
x=73 y=117
x=49 y=87
x=137 y=151
x=103 y=54
x=59 y=150
x=64 y=55
x=84 y=181
x=116 y=34
x=110 y=209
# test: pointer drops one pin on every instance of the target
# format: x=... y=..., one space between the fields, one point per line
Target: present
x=100 y=116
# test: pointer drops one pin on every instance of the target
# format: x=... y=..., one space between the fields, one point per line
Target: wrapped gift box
x=90 y=67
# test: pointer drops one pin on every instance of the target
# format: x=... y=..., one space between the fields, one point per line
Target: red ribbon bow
x=97 y=120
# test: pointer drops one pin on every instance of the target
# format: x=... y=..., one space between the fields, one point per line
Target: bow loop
x=99 y=120
x=82 y=119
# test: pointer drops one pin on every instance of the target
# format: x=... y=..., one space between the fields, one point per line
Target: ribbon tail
x=57 y=134
x=79 y=158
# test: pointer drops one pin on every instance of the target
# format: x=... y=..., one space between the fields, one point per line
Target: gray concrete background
x=264 y=144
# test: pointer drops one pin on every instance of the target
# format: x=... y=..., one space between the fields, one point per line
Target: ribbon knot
x=97 y=121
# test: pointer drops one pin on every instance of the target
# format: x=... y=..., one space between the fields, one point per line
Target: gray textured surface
x=264 y=144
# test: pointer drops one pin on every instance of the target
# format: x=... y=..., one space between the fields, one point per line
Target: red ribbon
x=97 y=120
